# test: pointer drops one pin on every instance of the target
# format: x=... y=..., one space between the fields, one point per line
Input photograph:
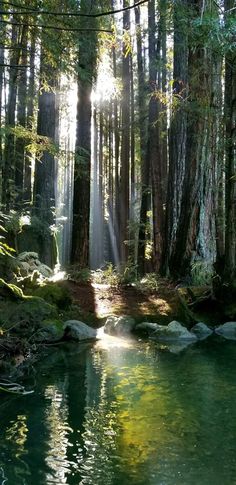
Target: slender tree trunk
x=230 y=153
x=116 y=161
x=44 y=182
x=177 y=133
x=21 y=120
x=2 y=57
x=144 y=161
x=9 y=152
x=125 y=145
x=81 y=204
x=30 y=116
x=154 y=145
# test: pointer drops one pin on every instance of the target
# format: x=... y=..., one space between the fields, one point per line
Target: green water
x=132 y=414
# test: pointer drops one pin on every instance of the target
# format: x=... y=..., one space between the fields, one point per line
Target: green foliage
x=35 y=144
x=109 y=276
x=202 y=273
x=23 y=316
x=149 y=282
x=54 y=294
x=75 y=273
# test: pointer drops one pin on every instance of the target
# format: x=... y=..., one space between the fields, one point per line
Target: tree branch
x=67 y=29
x=71 y=14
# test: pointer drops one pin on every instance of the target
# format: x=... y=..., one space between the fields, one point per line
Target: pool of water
x=124 y=413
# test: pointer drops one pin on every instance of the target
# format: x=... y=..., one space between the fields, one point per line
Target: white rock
x=76 y=330
x=228 y=330
x=173 y=332
x=201 y=330
x=119 y=325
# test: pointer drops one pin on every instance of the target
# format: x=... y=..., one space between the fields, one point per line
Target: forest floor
x=97 y=301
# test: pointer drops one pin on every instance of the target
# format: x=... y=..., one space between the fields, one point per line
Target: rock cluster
x=28 y=262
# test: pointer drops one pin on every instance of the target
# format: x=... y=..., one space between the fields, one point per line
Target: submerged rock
x=227 y=330
x=173 y=332
x=201 y=330
x=178 y=346
x=76 y=330
x=119 y=326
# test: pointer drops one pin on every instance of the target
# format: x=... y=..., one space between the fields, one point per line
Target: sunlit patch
x=25 y=220
x=58 y=276
x=108 y=342
x=106 y=85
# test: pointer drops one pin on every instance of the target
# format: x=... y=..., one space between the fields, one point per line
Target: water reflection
x=124 y=414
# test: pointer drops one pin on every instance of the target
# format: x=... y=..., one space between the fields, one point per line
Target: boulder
x=24 y=268
x=119 y=326
x=173 y=332
x=50 y=331
x=201 y=330
x=44 y=270
x=28 y=262
x=79 y=331
x=27 y=256
x=227 y=330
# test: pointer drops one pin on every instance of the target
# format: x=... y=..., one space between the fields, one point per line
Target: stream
x=123 y=413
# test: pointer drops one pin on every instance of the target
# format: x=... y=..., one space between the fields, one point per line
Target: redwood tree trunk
x=125 y=146
x=81 y=202
x=230 y=154
x=177 y=133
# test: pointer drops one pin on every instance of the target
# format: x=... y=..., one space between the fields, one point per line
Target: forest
x=117 y=242
x=140 y=170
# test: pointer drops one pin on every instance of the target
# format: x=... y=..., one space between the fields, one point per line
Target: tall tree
x=196 y=230
x=30 y=115
x=81 y=205
x=154 y=137
x=44 y=183
x=230 y=145
x=144 y=161
x=177 y=131
x=21 y=119
x=125 y=139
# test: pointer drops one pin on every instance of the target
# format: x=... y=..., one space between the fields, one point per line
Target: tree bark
x=195 y=234
x=81 y=203
x=30 y=116
x=21 y=121
x=230 y=153
x=177 y=133
x=144 y=161
x=125 y=145
x=44 y=181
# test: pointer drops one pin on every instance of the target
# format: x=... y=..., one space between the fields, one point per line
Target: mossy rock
x=50 y=331
x=25 y=317
x=11 y=291
x=55 y=294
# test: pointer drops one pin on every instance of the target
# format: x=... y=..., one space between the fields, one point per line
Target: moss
x=50 y=330
x=54 y=294
x=8 y=290
x=24 y=317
